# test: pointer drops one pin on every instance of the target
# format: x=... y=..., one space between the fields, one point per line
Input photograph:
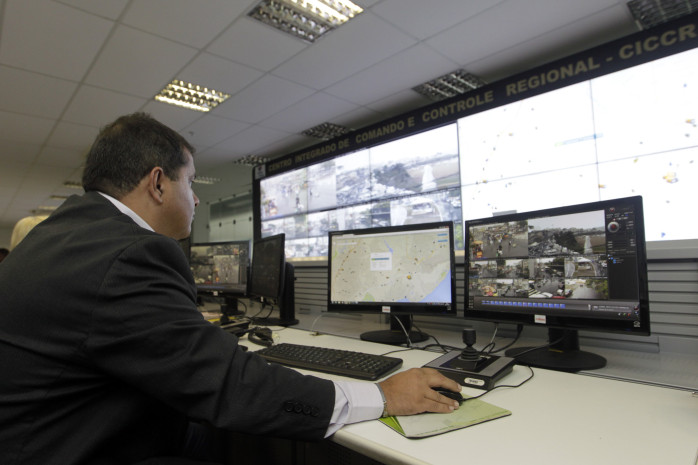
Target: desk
x=557 y=418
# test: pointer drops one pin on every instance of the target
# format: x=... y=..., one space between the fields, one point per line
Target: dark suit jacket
x=104 y=356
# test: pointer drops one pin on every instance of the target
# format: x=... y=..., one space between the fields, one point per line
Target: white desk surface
x=557 y=418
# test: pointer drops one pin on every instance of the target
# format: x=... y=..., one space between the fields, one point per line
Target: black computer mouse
x=450 y=394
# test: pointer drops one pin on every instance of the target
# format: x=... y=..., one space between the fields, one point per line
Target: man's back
x=105 y=356
x=56 y=393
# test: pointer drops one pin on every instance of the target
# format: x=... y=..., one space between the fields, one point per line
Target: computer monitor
x=220 y=269
x=396 y=270
x=581 y=267
x=272 y=278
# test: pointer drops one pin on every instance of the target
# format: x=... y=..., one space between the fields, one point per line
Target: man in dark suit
x=103 y=354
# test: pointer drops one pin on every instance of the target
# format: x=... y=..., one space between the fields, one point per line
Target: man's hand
x=410 y=392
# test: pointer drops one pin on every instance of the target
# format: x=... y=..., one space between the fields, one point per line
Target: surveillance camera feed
x=220 y=267
x=583 y=262
x=413 y=180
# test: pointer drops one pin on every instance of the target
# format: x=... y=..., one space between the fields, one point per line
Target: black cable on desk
x=513 y=386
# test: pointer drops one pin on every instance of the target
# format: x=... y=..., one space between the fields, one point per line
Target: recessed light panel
x=326 y=131
x=305 y=19
x=191 y=96
x=449 y=85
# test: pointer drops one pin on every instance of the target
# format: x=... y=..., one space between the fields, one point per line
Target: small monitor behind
x=398 y=270
x=272 y=279
x=220 y=270
x=581 y=267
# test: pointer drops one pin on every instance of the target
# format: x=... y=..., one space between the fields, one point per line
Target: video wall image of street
x=413 y=180
x=560 y=257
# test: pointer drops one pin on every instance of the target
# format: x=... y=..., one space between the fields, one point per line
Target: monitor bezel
x=225 y=288
x=252 y=284
x=395 y=308
x=597 y=324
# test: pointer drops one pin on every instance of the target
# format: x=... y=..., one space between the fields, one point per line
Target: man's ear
x=155 y=182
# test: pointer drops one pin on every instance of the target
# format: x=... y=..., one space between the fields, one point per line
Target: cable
x=404 y=330
x=494 y=335
x=542 y=346
x=443 y=348
x=513 y=386
x=519 y=330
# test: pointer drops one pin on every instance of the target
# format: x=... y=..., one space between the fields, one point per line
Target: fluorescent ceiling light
x=326 y=131
x=305 y=19
x=73 y=184
x=191 y=96
x=251 y=160
x=449 y=85
x=205 y=180
x=649 y=13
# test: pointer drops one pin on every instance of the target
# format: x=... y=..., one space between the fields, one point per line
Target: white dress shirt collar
x=127 y=211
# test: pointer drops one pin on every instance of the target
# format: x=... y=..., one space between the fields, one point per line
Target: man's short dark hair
x=126 y=150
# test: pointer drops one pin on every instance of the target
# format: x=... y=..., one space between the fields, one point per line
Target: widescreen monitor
x=581 y=267
x=396 y=270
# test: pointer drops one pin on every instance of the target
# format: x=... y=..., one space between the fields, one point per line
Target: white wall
x=235 y=180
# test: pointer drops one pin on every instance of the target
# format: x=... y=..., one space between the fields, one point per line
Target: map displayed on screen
x=399 y=267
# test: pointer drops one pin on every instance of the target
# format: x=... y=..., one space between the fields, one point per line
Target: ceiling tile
x=82 y=109
x=348 y=49
x=247 y=141
x=423 y=19
x=19 y=152
x=154 y=60
x=73 y=136
x=33 y=94
x=606 y=26
x=388 y=77
x=25 y=129
x=56 y=156
x=481 y=36
x=262 y=99
x=110 y=9
x=265 y=47
x=316 y=109
x=184 y=21
x=30 y=28
x=49 y=176
x=209 y=131
x=12 y=174
x=217 y=73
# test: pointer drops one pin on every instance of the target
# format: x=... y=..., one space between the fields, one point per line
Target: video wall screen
x=631 y=132
x=412 y=180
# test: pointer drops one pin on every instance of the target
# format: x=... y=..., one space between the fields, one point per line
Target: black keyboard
x=337 y=362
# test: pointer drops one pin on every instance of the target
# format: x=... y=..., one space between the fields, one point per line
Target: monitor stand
x=561 y=356
x=229 y=307
x=396 y=334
